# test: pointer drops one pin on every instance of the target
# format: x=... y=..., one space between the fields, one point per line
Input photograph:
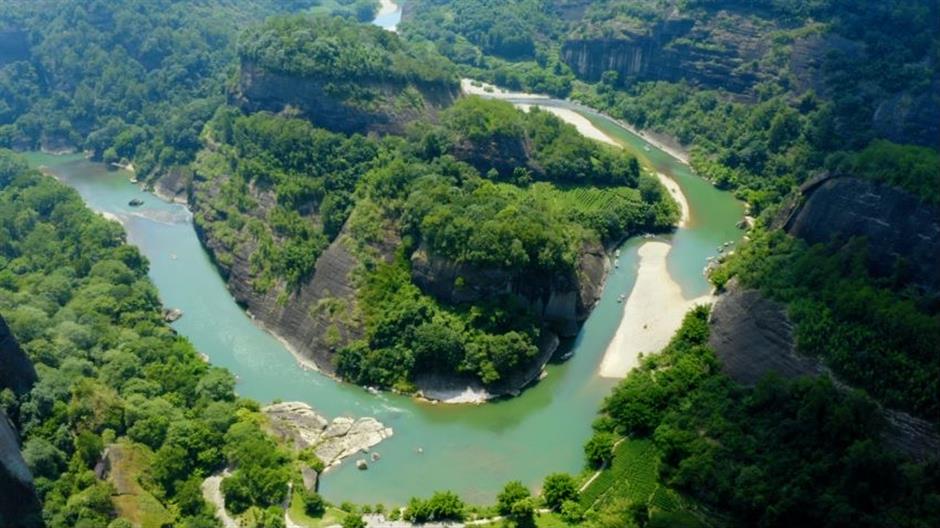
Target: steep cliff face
x=562 y=301
x=317 y=318
x=19 y=506
x=753 y=336
x=713 y=52
x=16 y=370
x=360 y=106
x=903 y=232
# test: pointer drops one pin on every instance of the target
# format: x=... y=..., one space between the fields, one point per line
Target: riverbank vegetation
x=874 y=333
x=132 y=82
x=119 y=393
x=792 y=118
x=783 y=453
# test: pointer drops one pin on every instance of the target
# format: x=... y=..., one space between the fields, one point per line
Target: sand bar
x=652 y=313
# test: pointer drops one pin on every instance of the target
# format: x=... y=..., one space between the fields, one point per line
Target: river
x=472 y=450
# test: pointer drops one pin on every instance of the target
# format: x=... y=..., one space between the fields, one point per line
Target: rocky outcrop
x=174 y=185
x=16 y=370
x=715 y=51
x=19 y=506
x=328 y=104
x=561 y=300
x=902 y=231
x=753 y=336
x=315 y=319
x=332 y=441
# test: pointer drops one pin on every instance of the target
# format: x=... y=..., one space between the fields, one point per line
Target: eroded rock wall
x=326 y=105
x=903 y=232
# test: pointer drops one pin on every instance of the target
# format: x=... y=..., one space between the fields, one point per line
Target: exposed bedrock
x=16 y=370
x=19 y=505
x=903 y=232
x=753 y=336
x=324 y=103
x=712 y=55
x=332 y=441
x=561 y=300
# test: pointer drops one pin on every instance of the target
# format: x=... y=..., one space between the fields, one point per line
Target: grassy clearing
x=129 y=462
x=332 y=516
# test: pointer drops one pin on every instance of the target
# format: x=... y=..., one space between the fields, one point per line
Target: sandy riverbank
x=656 y=306
x=472 y=87
x=387 y=7
x=654 y=310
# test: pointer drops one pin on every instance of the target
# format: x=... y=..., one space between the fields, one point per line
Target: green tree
x=558 y=488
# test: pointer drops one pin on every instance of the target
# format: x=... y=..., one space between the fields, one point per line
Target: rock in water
x=136 y=202
x=331 y=441
x=171 y=315
x=361 y=464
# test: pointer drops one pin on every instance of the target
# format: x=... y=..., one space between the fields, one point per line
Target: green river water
x=472 y=450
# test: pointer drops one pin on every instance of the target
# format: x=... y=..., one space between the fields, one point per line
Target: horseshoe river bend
x=470 y=449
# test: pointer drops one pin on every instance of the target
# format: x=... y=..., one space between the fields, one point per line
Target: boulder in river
x=361 y=464
x=171 y=315
x=332 y=441
x=136 y=202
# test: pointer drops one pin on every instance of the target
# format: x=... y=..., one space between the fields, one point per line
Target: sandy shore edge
x=387 y=7
x=653 y=311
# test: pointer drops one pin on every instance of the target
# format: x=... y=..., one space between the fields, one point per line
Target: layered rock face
x=713 y=52
x=332 y=441
x=563 y=301
x=753 y=336
x=327 y=104
x=903 y=232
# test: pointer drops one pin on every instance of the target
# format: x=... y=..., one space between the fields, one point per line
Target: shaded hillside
x=342 y=76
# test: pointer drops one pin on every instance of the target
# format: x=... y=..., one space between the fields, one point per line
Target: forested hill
x=132 y=81
x=765 y=91
x=342 y=75
x=389 y=261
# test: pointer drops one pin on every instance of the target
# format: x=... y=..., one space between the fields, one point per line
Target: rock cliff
x=562 y=301
x=903 y=232
x=16 y=370
x=315 y=319
x=753 y=336
x=367 y=106
x=717 y=51
x=19 y=505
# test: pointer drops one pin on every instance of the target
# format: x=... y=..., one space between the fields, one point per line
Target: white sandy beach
x=387 y=7
x=467 y=86
x=653 y=312
x=678 y=196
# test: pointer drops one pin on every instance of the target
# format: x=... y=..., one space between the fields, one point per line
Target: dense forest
x=133 y=82
x=765 y=95
x=783 y=453
x=112 y=374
